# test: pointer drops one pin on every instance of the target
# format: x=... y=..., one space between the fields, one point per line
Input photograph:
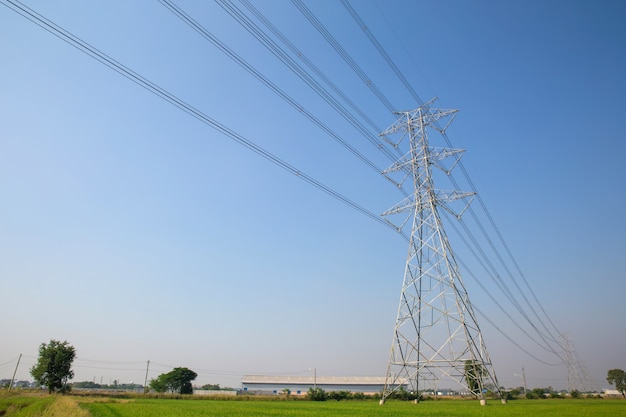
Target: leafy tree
x=177 y=380
x=54 y=366
x=515 y=392
x=474 y=374
x=404 y=395
x=160 y=383
x=538 y=393
x=316 y=394
x=617 y=377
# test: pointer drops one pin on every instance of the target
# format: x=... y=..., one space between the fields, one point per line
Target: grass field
x=70 y=406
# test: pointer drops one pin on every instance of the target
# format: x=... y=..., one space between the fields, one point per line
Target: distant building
x=610 y=393
x=299 y=385
x=16 y=384
x=215 y=392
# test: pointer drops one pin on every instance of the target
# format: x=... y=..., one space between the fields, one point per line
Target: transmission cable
x=101 y=57
x=186 y=18
x=275 y=49
x=381 y=50
x=496 y=276
x=316 y=70
x=490 y=242
x=403 y=79
x=486 y=317
x=342 y=53
x=396 y=70
x=547 y=346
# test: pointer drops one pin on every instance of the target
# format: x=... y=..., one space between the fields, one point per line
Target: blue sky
x=136 y=232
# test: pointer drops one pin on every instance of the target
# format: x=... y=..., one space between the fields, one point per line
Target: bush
x=316 y=394
x=339 y=395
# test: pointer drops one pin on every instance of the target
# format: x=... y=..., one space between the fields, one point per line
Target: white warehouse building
x=299 y=385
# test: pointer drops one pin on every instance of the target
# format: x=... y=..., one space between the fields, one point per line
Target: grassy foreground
x=70 y=406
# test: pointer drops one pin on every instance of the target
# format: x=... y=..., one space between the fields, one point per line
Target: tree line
x=54 y=370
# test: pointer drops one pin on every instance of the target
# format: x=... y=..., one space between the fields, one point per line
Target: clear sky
x=136 y=232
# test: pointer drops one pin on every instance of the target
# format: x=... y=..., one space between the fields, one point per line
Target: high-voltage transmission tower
x=578 y=378
x=436 y=342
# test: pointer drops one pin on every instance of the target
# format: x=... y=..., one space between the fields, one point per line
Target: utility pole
x=15 y=372
x=523 y=375
x=145 y=382
x=314 y=377
x=436 y=335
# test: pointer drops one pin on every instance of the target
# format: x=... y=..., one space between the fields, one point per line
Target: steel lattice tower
x=436 y=337
x=578 y=378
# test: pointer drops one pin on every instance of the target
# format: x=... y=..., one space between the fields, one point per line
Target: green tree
x=177 y=380
x=474 y=374
x=538 y=393
x=316 y=394
x=617 y=377
x=160 y=383
x=54 y=366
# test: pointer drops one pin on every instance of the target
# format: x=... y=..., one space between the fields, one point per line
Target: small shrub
x=316 y=394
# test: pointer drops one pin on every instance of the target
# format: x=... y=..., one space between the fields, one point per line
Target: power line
x=101 y=57
x=295 y=51
x=359 y=21
x=381 y=50
x=510 y=339
x=266 y=41
x=96 y=54
x=187 y=19
x=343 y=53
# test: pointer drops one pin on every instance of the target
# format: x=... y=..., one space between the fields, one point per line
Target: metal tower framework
x=578 y=377
x=437 y=343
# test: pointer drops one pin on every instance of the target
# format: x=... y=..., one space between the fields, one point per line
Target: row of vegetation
x=53 y=370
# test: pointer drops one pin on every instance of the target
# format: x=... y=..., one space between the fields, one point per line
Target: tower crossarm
x=436 y=157
x=406 y=204
x=444 y=197
x=419 y=118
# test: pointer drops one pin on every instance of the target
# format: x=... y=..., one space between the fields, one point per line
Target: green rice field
x=70 y=406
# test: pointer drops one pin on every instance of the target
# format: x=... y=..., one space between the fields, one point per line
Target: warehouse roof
x=310 y=380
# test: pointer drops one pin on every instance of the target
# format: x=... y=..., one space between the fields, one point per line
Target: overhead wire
x=282 y=55
x=492 y=271
x=306 y=12
x=359 y=21
x=513 y=341
x=545 y=345
x=314 y=68
x=116 y=66
x=195 y=25
x=381 y=51
x=488 y=268
x=101 y=57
